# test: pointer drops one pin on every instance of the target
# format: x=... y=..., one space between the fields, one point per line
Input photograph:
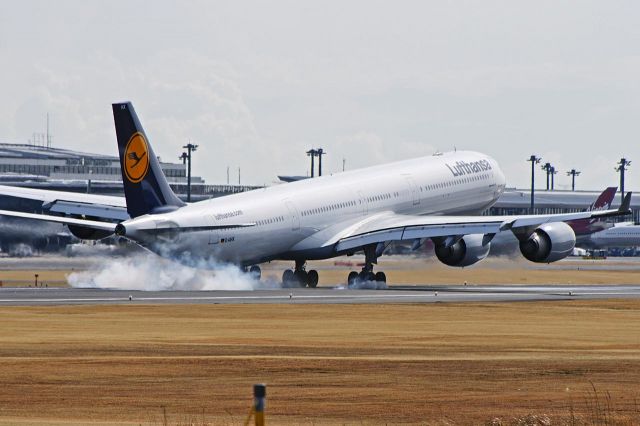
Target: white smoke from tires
x=149 y=272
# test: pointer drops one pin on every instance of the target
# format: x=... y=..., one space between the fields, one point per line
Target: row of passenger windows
x=270 y=220
x=328 y=208
x=388 y=196
x=451 y=183
x=379 y=197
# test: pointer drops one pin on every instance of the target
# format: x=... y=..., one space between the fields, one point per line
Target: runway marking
x=335 y=296
x=634 y=293
x=284 y=297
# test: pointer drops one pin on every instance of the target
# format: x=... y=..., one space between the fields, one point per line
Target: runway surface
x=397 y=294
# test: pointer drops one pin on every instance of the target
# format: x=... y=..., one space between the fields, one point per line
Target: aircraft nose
x=502 y=178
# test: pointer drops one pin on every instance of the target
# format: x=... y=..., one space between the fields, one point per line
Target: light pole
x=187 y=156
x=552 y=172
x=622 y=167
x=547 y=168
x=312 y=153
x=534 y=160
x=573 y=173
x=320 y=153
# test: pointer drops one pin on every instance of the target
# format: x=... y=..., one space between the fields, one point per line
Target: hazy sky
x=256 y=84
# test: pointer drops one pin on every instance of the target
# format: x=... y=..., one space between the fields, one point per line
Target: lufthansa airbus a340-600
x=438 y=197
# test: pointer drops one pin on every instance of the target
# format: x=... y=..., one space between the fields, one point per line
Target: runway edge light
x=259 y=401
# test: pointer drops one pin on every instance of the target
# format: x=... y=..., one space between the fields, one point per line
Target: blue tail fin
x=145 y=187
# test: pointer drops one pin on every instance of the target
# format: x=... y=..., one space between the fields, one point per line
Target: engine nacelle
x=88 y=233
x=468 y=250
x=548 y=243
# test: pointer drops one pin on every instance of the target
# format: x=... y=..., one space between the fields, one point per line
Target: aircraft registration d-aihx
x=439 y=197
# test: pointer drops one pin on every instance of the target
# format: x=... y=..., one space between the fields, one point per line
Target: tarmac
x=325 y=295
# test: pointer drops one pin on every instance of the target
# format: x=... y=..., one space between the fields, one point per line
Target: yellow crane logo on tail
x=136 y=158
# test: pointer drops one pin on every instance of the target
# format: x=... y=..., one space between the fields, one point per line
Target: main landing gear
x=254 y=271
x=367 y=276
x=300 y=277
x=366 y=279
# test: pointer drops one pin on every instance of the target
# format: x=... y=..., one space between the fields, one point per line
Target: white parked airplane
x=621 y=235
x=437 y=197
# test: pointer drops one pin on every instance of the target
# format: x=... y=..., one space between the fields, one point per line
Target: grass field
x=323 y=364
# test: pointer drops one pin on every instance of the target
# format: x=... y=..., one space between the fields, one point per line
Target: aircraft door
x=293 y=213
x=414 y=190
x=364 y=206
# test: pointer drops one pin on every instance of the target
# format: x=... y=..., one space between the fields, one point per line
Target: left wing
x=397 y=227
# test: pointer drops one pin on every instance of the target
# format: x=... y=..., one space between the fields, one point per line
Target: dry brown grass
x=324 y=364
x=408 y=270
x=25 y=278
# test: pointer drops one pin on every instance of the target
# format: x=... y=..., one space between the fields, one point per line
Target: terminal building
x=42 y=167
x=518 y=201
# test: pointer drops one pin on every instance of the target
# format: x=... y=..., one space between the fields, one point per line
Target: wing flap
x=413 y=232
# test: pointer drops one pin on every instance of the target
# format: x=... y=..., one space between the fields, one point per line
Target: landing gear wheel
x=367 y=276
x=381 y=277
x=312 y=278
x=353 y=277
x=287 y=278
x=301 y=278
x=255 y=272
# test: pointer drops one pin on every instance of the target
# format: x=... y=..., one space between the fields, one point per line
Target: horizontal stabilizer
x=625 y=207
x=92 y=224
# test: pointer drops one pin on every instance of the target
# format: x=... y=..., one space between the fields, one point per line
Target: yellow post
x=259 y=400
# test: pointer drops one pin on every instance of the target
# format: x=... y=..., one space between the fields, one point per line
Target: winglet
x=625 y=207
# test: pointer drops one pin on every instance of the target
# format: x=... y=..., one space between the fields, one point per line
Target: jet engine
x=468 y=250
x=548 y=243
x=88 y=233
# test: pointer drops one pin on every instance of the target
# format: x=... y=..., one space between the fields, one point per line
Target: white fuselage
x=291 y=220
